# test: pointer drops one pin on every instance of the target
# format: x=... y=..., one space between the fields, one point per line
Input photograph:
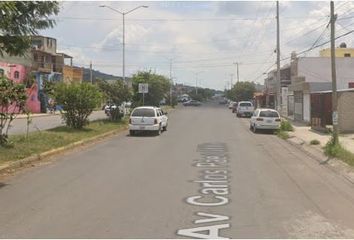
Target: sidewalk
x=33 y=115
x=306 y=134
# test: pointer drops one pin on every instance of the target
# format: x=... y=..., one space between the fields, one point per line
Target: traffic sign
x=143 y=88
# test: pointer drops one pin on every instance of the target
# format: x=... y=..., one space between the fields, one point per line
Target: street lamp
x=123 y=14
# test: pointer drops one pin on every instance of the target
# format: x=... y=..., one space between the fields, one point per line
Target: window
x=245 y=104
x=143 y=112
x=270 y=114
x=347 y=55
x=16 y=74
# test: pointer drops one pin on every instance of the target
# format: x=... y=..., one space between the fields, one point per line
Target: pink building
x=18 y=74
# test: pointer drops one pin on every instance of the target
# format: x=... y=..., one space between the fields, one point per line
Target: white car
x=147 y=118
x=265 y=118
x=244 y=108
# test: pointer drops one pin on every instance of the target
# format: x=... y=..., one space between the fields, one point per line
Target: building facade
x=39 y=64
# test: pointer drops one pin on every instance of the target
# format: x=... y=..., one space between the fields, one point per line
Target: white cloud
x=195 y=34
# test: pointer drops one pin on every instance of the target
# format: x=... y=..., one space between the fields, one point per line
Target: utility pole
x=196 y=84
x=91 y=72
x=232 y=80
x=334 y=79
x=238 y=76
x=278 y=63
x=171 y=81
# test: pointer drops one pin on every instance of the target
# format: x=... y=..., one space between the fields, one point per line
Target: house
x=313 y=74
x=39 y=64
x=321 y=110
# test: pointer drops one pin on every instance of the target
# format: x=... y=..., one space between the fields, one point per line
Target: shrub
x=282 y=134
x=336 y=150
x=286 y=126
x=12 y=101
x=315 y=142
x=78 y=101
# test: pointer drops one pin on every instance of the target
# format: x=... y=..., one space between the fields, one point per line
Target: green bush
x=315 y=142
x=286 y=126
x=12 y=101
x=78 y=101
x=282 y=134
x=336 y=150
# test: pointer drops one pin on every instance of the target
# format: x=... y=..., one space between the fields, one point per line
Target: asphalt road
x=45 y=122
x=207 y=176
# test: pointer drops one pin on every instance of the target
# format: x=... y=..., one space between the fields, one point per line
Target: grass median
x=42 y=141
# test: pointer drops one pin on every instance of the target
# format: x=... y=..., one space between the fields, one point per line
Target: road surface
x=207 y=176
x=45 y=122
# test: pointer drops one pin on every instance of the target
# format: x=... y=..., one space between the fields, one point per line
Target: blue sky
x=205 y=37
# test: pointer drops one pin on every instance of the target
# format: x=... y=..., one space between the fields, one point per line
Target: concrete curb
x=38 y=115
x=334 y=164
x=37 y=157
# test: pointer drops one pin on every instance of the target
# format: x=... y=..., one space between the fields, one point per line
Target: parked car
x=234 y=107
x=147 y=118
x=265 y=118
x=223 y=101
x=192 y=103
x=244 y=108
x=231 y=104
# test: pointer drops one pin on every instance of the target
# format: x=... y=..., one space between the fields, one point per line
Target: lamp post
x=123 y=14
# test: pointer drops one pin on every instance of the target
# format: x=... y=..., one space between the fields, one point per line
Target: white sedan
x=265 y=118
x=147 y=119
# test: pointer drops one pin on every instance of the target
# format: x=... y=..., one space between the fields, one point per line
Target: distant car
x=244 y=108
x=147 y=118
x=234 y=107
x=223 y=102
x=192 y=103
x=265 y=118
x=231 y=104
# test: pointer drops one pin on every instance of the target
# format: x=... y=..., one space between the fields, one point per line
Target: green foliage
x=39 y=142
x=115 y=93
x=241 y=91
x=203 y=94
x=174 y=100
x=286 y=126
x=283 y=134
x=159 y=87
x=333 y=149
x=12 y=100
x=20 y=20
x=314 y=142
x=78 y=101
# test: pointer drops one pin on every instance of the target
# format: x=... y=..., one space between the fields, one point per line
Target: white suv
x=244 y=108
x=147 y=119
x=265 y=118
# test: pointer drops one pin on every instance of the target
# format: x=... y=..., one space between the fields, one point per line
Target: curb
x=37 y=157
x=38 y=116
x=334 y=164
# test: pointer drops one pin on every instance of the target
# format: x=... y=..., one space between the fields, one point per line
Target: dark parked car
x=192 y=103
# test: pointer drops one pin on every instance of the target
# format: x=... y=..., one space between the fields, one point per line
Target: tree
x=78 y=101
x=159 y=87
x=115 y=93
x=20 y=20
x=12 y=101
x=241 y=91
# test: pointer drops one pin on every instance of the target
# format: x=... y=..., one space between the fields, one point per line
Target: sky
x=203 y=40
